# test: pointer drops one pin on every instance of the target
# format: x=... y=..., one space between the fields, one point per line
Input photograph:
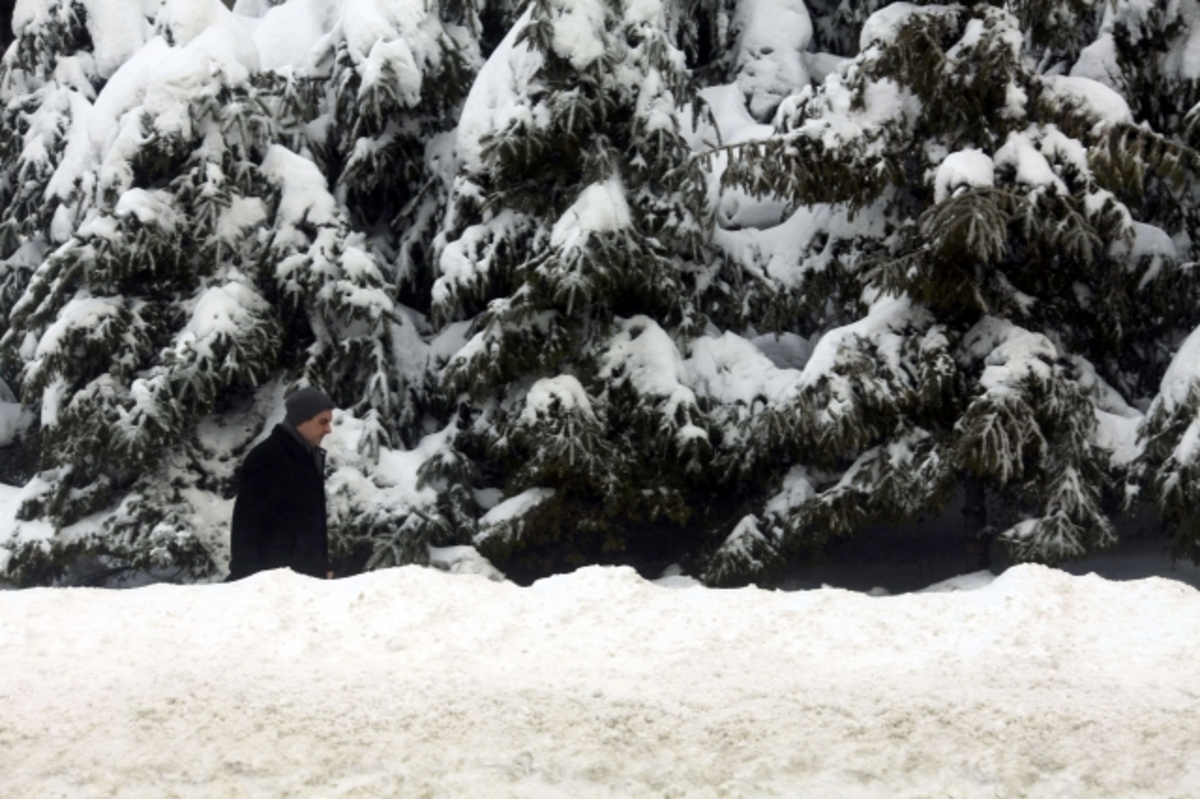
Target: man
x=279 y=516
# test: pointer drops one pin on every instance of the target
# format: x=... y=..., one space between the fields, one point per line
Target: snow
x=645 y=355
x=513 y=508
x=1183 y=59
x=734 y=123
x=971 y=168
x=150 y=207
x=1099 y=62
x=184 y=20
x=731 y=370
x=11 y=529
x=848 y=117
x=304 y=196
x=578 y=30
x=1182 y=376
x=117 y=29
x=397 y=56
x=219 y=312
x=601 y=208
x=416 y=682
x=1090 y=96
x=886 y=316
x=882 y=27
x=1149 y=246
x=411 y=682
x=785 y=350
x=1012 y=355
x=14 y=420
x=564 y=390
x=392 y=481
x=125 y=90
x=496 y=96
x=773 y=36
x=242 y=214
x=1028 y=164
x=220 y=55
x=287 y=33
x=463 y=560
x=83 y=313
x=76 y=154
x=796 y=490
x=252 y=8
x=778 y=250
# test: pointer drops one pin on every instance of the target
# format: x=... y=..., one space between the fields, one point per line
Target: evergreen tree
x=963 y=258
x=391 y=95
x=1013 y=308
x=1144 y=51
x=207 y=261
x=49 y=79
x=577 y=245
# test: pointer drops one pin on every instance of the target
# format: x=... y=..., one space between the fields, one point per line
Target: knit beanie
x=305 y=404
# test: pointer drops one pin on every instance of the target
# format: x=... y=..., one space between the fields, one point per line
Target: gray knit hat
x=305 y=404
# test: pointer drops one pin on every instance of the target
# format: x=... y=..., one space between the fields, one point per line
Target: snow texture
x=773 y=37
x=565 y=391
x=1090 y=96
x=117 y=29
x=495 y=98
x=578 y=30
x=969 y=168
x=413 y=682
x=514 y=507
x=601 y=208
x=1183 y=374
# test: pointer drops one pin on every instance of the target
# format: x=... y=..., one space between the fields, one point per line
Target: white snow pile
x=412 y=682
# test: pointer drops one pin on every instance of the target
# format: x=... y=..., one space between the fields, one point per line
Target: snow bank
x=413 y=682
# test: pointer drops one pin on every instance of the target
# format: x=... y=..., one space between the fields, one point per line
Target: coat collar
x=295 y=443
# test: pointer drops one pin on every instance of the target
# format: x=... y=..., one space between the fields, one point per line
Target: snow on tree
x=49 y=79
x=1006 y=307
x=207 y=259
x=392 y=82
x=1148 y=53
x=576 y=307
x=577 y=246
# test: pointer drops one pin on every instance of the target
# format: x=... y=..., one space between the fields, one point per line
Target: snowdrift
x=412 y=682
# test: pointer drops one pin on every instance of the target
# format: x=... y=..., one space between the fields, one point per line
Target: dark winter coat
x=279 y=516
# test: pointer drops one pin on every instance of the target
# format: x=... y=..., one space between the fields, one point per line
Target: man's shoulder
x=274 y=445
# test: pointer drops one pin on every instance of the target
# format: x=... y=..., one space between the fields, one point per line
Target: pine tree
x=1143 y=51
x=391 y=96
x=1012 y=306
x=49 y=79
x=576 y=245
x=207 y=263
x=967 y=250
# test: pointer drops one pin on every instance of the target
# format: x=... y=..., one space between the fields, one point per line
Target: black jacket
x=279 y=515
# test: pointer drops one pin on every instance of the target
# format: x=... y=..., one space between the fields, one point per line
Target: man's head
x=311 y=412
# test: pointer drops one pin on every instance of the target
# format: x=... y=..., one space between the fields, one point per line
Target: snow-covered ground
x=414 y=682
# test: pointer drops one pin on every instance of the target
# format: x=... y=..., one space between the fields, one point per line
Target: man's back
x=279 y=514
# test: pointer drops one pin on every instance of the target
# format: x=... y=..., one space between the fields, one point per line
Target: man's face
x=317 y=428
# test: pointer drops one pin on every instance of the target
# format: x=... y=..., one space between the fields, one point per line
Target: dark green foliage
x=205 y=263
x=998 y=401
x=992 y=268
x=579 y=231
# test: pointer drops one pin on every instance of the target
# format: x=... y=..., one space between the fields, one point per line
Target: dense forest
x=707 y=282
